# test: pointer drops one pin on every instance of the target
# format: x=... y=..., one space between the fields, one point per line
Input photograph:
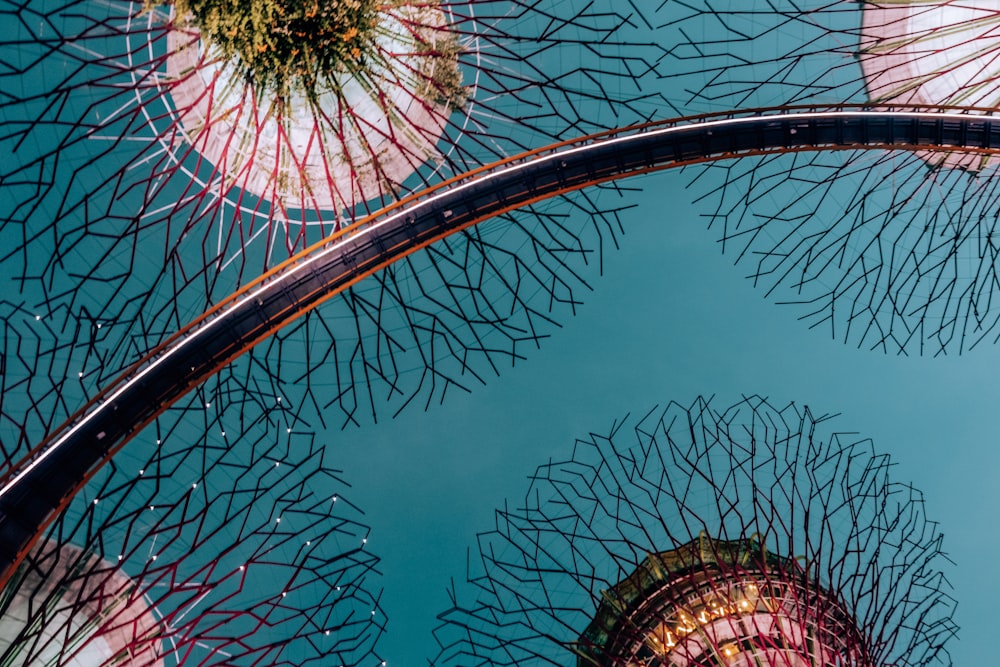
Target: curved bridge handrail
x=745 y=114
x=70 y=455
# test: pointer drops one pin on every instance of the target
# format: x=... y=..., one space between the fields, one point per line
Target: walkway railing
x=37 y=488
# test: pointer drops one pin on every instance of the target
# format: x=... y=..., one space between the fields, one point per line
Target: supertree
x=127 y=210
x=225 y=537
x=893 y=251
x=163 y=155
x=748 y=535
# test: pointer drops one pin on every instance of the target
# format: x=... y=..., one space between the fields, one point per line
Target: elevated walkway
x=36 y=488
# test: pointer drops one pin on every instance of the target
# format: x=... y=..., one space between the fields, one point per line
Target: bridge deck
x=35 y=489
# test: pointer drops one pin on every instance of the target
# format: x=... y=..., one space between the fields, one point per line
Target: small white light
x=121 y=556
x=142 y=472
x=278 y=520
x=208 y=405
x=284 y=593
x=241 y=568
x=327 y=633
x=80 y=374
x=223 y=434
x=152 y=507
x=195 y=485
x=95 y=501
x=98 y=325
x=38 y=317
x=308 y=542
x=288 y=430
x=277 y=463
x=154 y=556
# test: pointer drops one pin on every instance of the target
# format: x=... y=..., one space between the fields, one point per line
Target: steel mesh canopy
x=119 y=228
x=715 y=602
x=124 y=218
x=850 y=547
x=226 y=538
x=894 y=252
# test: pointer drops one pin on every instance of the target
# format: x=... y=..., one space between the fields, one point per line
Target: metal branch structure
x=747 y=535
x=228 y=538
x=145 y=179
x=147 y=175
x=37 y=488
x=891 y=252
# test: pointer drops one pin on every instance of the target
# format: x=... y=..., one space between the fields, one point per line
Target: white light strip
x=306 y=262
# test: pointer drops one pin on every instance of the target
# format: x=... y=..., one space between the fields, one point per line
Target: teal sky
x=671 y=319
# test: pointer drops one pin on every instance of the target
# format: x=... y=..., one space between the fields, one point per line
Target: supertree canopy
x=161 y=155
x=891 y=251
x=157 y=157
x=224 y=537
x=312 y=106
x=750 y=535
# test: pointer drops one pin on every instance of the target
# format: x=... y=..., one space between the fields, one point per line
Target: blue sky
x=671 y=318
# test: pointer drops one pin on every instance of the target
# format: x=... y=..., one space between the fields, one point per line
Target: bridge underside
x=36 y=489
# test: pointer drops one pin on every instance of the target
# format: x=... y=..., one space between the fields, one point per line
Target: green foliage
x=441 y=76
x=287 y=46
x=283 y=44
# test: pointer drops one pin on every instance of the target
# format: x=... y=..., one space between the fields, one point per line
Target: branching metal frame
x=890 y=252
x=226 y=538
x=39 y=486
x=778 y=476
